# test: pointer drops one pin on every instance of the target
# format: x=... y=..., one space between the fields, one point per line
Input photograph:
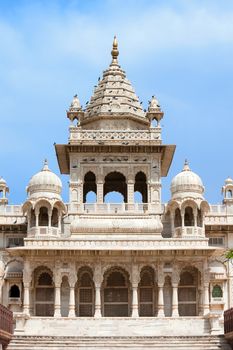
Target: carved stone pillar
x=173 y=223
x=160 y=291
x=182 y=221
x=37 y=219
x=130 y=191
x=175 y=283
x=80 y=191
x=98 y=278
x=50 y=220
x=72 y=302
x=195 y=218
x=135 y=279
x=100 y=191
x=72 y=282
x=57 y=300
x=27 y=276
x=160 y=301
x=59 y=222
x=175 y=311
x=26 y=299
x=206 y=303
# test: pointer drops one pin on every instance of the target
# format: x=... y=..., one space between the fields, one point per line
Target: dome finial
x=186 y=165
x=115 y=51
x=45 y=167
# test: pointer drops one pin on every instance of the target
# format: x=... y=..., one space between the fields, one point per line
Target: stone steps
x=118 y=343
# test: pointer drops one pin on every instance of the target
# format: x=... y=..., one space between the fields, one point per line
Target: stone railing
x=6 y=325
x=42 y=231
x=217 y=209
x=77 y=135
x=10 y=210
x=188 y=231
x=116 y=208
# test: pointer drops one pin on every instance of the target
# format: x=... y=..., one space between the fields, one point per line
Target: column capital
x=135 y=276
x=98 y=276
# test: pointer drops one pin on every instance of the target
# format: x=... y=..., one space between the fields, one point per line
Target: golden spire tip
x=115 y=51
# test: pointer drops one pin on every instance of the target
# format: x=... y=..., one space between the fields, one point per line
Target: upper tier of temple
x=114 y=103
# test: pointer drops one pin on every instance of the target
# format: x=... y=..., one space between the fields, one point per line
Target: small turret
x=154 y=110
x=227 y=191
x=4 y=189
x=75 y=111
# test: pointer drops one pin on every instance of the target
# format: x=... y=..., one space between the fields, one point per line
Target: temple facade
x=115 y=259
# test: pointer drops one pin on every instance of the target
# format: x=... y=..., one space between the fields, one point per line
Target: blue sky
x=180 y=51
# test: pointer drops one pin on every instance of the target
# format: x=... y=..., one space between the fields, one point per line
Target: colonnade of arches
x=115 y=188
x=43 y=213
x=189 y=213
x=116 y=296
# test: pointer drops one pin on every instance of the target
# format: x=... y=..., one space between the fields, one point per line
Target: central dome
x=187 y=184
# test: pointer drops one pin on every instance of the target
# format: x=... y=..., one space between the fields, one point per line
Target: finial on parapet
x=186 y=165
x=154 y=110
x=115 y=51
x=75 y=111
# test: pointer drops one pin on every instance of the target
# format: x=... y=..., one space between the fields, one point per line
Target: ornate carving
x=98 y=275
x=135 y=275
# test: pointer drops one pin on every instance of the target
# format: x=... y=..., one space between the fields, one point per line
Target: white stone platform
x=109 y=326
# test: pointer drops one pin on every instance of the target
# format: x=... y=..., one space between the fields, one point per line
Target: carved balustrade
x=116 y=208
x=77 y=135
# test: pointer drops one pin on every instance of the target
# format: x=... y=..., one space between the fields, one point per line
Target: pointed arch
x=116 y=293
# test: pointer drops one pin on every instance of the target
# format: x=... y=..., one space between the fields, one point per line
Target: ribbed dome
x=186 y=184
x=45 y=184
x=2 y=181
x=229 y=181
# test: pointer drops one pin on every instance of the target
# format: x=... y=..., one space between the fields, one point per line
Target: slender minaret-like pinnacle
x=115 y=51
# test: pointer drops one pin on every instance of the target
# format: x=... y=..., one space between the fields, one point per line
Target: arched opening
x=217 y=292
x=177 y=220
x=84 y=294
x=187 y=293
x=32 y=218
x=115 y=182
x=188 y=217
x=116 y=294
x=43 y=216
x=91 y=197
x=89 y=186
x=229 y=194
x=147 y=293
x=114 y=197
x=14 y=292
x=154 y=123
x=55 y=218
x=140 y=185
x=65 y=296
x=199 y=218
x=138 y=197
x=44 y=294
x=167 y=296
